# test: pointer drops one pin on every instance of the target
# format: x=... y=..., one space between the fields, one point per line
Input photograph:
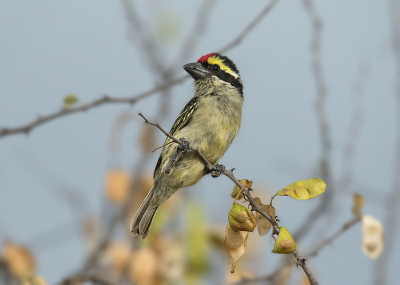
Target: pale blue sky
x=51 y=48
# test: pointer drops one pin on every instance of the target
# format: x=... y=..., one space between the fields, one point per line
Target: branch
x=320 y=108
x=85 y=278
x=249 y=27
x=198 y=30
x=354 y=131
x=246 y=192
x=26 y=128
x=314 y=252
x=393 y=199
x=95 y=103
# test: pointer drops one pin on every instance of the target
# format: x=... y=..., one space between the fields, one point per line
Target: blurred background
x=321 y=88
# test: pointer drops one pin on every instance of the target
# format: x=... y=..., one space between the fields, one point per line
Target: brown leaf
x=19 y=260
x=118 y=255
x=358 y=203
x=143 y=267
x=236 y=193
x=117 y=182
x=235 y=245
x=263 y=224
x=241 y=219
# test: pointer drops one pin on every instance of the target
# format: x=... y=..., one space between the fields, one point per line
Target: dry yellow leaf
x=303 y=189
x=358 y=203
x=263 y=224
x=117 y=182
x=118 y=254
x=19 y=260
x=235 y=244
x=373 y=237
x=284 y=243
x=143 y=267
x=241 y=219
x=236 y=193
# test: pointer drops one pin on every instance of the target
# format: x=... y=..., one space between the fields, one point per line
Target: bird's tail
x=141 y=221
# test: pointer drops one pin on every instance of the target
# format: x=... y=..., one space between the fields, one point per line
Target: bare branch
x=198 y=30
x=26 y=128
x=95 y=103
x=393 y=199
x=149 y=45
x=320 y=107
x=246 y=192
x=355 y=126
x=249 y=27
x=312 y=253
x=95 y=279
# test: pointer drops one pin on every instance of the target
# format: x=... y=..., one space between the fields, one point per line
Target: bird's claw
x=184 y=145
x=218 y=171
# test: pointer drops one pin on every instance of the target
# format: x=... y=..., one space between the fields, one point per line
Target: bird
x=209 y=121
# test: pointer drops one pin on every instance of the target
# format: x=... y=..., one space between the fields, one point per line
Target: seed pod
x=284 y=243
x=241 y=219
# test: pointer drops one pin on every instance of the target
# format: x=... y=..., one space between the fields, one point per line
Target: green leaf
x=303 y=189
x=284 y=244
x=70 y=100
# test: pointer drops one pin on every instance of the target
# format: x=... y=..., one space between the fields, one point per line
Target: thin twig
x=324 y=130
x=95 y=103
x=246 y=192
x=198 y=30
x=355 y=126
x=249 y=27
x=382 y=265
x=271 y=276
x=85 y=278
x=26 y=128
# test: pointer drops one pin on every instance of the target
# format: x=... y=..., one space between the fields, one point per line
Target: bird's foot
x=182 y=147
x=218 y=171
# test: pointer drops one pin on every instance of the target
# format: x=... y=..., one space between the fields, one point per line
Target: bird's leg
x=182 y=147
x=218 y=171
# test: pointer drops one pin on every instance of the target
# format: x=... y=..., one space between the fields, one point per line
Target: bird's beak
x=196 y=70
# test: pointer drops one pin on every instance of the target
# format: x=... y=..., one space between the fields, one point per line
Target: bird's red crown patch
x=204 y=58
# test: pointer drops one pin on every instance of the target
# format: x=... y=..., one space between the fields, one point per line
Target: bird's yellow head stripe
x=222 y=65
x=212 y=58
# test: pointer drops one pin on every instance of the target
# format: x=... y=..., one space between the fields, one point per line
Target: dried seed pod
x=235 y=244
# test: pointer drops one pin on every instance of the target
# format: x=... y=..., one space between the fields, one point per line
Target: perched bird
x=210 y=122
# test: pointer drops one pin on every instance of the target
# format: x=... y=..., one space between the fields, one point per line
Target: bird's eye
x=215 y=67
